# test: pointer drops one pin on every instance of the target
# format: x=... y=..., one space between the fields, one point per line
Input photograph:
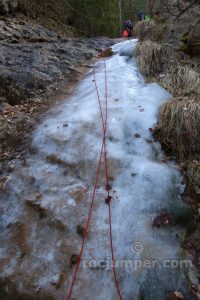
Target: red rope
x=103 y=147
x=87 y=225
x=104 y=124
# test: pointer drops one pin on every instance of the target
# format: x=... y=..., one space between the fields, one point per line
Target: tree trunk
x=151 y=7
x=120 y=16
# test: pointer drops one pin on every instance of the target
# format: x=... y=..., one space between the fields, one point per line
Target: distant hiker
x=140 y=15
x=128 y=28
x=125 y=34
x=147 y=19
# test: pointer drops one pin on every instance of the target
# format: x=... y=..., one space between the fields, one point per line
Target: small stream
x=49 y=196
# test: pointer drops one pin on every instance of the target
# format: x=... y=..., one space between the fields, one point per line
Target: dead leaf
x=178 y=295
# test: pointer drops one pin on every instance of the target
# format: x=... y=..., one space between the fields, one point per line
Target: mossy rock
x=107 y=53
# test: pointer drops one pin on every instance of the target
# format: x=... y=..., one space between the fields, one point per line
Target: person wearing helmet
x=128 y=28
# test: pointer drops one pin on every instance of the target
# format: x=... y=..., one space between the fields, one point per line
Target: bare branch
x=188 y=7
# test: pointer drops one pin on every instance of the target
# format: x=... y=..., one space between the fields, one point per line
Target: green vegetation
x=89 y=17
x=97 y=17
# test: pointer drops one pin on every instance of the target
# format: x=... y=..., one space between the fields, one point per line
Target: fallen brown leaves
x=15 y=121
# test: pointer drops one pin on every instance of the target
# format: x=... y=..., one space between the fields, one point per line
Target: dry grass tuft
x=149 y=30
x=192 y=171
x=179 y=126
x=154 y=58
x=181 y=80
x=179 y=120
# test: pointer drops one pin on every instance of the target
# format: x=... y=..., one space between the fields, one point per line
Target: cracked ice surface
x=63 y=172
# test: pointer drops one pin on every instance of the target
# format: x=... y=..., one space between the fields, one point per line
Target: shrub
x=154 y=58
x=149 y=30
x=181 y=80
x=179 y=126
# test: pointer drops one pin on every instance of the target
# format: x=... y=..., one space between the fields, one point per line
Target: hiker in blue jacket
x=129 y=27
x=140 y=15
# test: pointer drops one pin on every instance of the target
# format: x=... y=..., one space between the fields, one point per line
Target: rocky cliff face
x=8 y=6
x=32 y=58
x=33 y=62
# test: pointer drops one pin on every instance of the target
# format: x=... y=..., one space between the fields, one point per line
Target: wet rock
x=163 y=219
x=3 y=183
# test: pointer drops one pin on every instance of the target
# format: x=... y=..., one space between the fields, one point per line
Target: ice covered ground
x=50 y=195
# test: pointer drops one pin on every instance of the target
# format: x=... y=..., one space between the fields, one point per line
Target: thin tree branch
x=188 y=7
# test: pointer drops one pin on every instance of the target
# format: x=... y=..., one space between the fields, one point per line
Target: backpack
x=125 y=34
x=129 y=24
